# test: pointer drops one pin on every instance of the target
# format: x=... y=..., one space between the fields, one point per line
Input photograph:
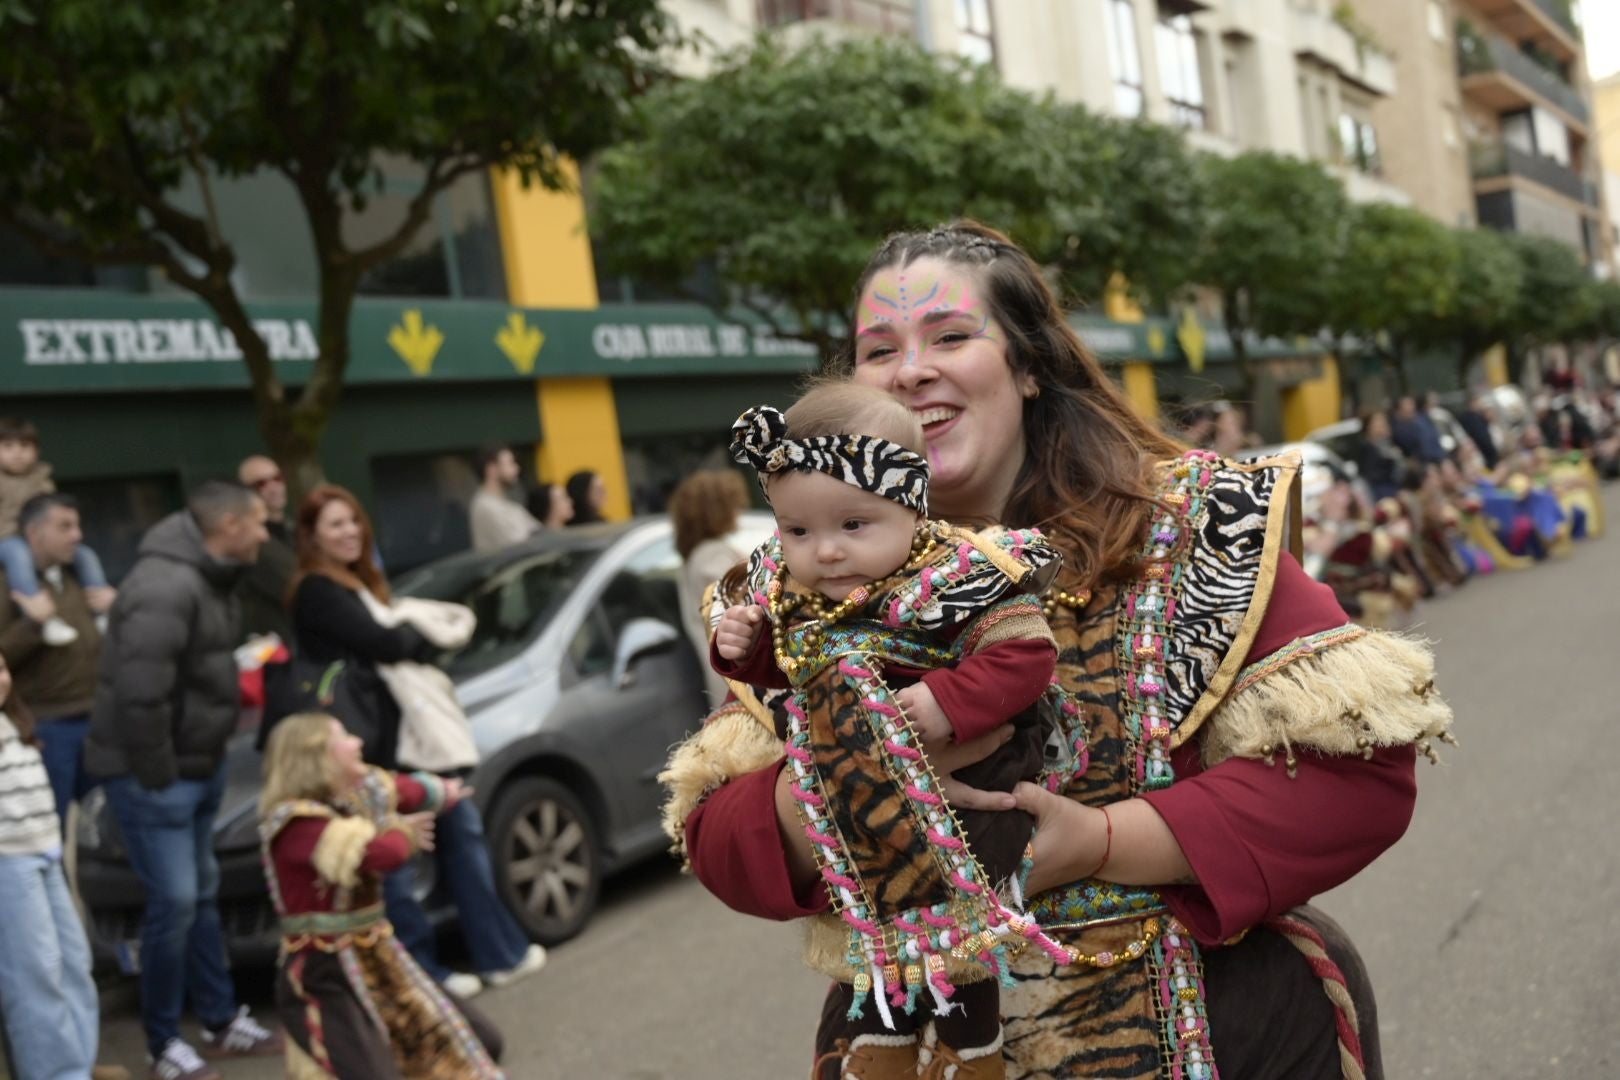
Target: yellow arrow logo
x=417 y=344
x=520 y=342
x=1155 y=341
x=1190 y=335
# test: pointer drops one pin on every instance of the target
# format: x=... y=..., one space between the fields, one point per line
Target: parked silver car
x=577 y=682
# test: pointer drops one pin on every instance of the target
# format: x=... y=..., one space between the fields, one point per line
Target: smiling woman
x=1244 y=747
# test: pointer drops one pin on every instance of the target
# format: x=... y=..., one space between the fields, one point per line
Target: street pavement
x=1492 y=931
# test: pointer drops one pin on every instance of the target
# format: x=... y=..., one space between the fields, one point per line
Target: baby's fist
x=739 y=627
x=923 y=710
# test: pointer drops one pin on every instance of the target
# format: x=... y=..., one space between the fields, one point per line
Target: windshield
x=514 y=603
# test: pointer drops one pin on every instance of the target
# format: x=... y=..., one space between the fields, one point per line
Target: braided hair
x=1088 y=473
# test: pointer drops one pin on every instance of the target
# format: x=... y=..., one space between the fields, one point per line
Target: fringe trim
x=341 y=848
x=826 y=951
x=300 y=1066
x=732 y=742
x=1373 y=690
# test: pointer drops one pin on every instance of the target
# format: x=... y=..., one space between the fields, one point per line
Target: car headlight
x=92 y=810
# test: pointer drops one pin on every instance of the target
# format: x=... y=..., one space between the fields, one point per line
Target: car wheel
x=548 y=860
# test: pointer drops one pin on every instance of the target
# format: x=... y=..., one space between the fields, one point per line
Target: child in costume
x=355 y=1004
x=895 y=632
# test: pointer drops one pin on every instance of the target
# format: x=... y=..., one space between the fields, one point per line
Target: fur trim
x=1371 y=690
x=967 y=1055
x=341 y=848
x=732 y=742
x=300 y=1066
x=826 y=950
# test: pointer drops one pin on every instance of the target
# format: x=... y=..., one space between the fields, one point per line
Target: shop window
x=1124 y=57
x=1179 y=71
x=116 y=513
x=419 y=505
x=975 y=35
x=24 y=264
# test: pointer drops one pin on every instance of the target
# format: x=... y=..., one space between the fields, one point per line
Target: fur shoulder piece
x=732 y=742
x=1344 y=691
x=341 y=848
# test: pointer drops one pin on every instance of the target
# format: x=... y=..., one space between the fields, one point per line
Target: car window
x=513 y=606
x=645 y=587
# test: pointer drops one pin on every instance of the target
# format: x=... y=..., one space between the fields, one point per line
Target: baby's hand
x=925 y=714
x=739 y=627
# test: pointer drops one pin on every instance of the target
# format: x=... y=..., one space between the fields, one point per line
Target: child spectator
x=22 y=476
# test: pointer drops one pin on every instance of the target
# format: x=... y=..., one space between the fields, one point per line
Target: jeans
x=17 y=559
x=169 y=836
x=495 y=941
x=62 y=747
x=46 y=991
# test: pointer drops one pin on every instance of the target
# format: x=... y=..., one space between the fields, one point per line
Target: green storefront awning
x=70 y=340
x=56 y=341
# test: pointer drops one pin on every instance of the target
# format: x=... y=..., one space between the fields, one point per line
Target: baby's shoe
x=57 y=632
x=938 y=1061
x=871 y=1057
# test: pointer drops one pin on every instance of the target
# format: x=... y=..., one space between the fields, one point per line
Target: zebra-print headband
x=759 y=438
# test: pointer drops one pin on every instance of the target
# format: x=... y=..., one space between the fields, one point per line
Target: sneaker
x=463 y=985
x=242 y=1037
x=57 y=632
x=180 y=1062
x=533 y=960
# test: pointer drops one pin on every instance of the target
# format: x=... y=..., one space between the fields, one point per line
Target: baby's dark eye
x=794 y=530
x=852 y=524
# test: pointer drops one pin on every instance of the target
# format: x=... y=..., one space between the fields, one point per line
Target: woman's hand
x=1070 y=838
x=454 y=792
x=419 y=827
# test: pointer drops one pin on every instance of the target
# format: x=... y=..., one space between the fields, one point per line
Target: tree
x=1396 y=280
x=105 y=109
x=1489 y=279
x=1270 y=243
x=1550 y=301
x=781 y=172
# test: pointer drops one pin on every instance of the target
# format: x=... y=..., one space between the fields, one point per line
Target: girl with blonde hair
x=353 y=1001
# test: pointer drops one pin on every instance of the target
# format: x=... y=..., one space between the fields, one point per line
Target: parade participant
x=1251 y=747
x=935 y=636
x=355 y=1003
x=22 y=476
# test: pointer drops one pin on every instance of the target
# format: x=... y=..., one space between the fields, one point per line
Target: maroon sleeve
x=736 y=850
x=993 y=685
x=409 y=795
x=389 y=851
x=758 y=668
x=1261 y=842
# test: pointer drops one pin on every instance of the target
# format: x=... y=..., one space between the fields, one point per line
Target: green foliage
x=784 y=169
x=106 y=107
x=1397 y=278
x=1271 y=242
x=1552 y=301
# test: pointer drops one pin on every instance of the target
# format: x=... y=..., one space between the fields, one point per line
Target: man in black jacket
x=167 y=698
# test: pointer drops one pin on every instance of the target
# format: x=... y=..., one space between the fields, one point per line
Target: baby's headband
x=759 y=438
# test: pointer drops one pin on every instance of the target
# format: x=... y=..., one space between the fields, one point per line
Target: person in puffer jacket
x=167 y=700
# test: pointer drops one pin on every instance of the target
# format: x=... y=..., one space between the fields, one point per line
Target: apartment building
x=1499 y=127
x=1606 y=118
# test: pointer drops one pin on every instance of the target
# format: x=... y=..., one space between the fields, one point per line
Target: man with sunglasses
x=263 y=591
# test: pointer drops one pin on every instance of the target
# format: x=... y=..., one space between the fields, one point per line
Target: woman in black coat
x=333 y=623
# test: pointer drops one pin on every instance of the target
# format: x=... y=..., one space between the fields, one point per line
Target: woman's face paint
x=906 y=314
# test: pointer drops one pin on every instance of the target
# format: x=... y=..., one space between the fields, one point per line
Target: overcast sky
x=1600 y=20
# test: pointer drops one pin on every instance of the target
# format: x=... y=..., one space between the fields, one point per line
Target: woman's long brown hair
x=1088 y=473
x=363 y=573
x=20 y=715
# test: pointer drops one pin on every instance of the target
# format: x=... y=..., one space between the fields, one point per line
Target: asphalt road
x=1492 y=930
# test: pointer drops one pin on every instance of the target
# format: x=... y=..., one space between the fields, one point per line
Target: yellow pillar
x=547 y=255
x=1313 y=403
x=1141 y=388
x=1496 y=365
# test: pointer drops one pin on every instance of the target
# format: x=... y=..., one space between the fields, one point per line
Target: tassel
x=857 y=1005
x=880 y=997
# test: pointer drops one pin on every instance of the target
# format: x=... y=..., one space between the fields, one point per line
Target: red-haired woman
x=1249 y=747
x=332 y=622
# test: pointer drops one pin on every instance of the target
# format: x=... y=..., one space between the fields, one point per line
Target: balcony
x=1498 y=161
x=1320 y=37
x=1518 y=210
x=1498 y=75
x=1545 y=23
x=882 y=16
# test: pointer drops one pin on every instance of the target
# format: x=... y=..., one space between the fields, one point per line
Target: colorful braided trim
x=1298 y=649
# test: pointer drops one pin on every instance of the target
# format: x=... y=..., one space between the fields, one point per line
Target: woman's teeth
x=937 y=416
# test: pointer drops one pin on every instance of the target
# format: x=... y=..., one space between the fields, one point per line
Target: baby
x=897 y=633
x=22 y=476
